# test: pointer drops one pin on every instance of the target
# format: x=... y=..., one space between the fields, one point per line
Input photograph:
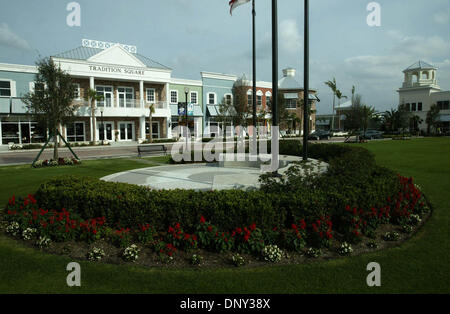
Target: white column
x=142 y=122
x=141 y=93
x=169 y=113
x=1 y=138
x=93 y=123
x=198 y=127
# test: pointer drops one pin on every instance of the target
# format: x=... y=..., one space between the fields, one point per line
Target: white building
x=420 y=91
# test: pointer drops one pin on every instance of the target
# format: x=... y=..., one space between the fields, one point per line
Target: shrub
x=131 y=253
x=238 y=260
x=196 y=260
x=272 y=253
x=95 y=254
x=345 y=249
x=43 y=242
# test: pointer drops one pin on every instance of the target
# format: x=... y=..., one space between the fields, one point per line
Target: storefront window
x=10 y=133
x=155 y=129
x=75 y=132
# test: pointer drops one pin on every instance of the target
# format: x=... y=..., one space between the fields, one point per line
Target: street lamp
x=306 y=83
x=186 y=92
x=103 y=126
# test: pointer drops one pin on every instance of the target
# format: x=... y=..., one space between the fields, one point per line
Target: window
x=151 y=95
x=75 y=132
x=77 y=94
x=443 y=105
x=259 y=100
x=250 y=99
x=413 y=107
x=126 y=97
x=174 y=97
x=106 y=92
x=5 y=89
x=194 y=98
x=419 y=106
x=228 y=99
x=291 y=103
x=211 y=99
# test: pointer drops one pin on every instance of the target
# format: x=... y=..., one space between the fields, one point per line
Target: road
x=85 y=153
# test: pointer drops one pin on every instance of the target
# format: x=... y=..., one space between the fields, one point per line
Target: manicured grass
x=418 y=266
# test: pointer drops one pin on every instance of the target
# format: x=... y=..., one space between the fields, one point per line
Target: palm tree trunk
x=94 y=127
x=151 y=127
x=55 y=143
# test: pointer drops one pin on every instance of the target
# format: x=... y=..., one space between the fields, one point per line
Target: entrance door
x=105 y=131
x=25 y=131
x=126 y=130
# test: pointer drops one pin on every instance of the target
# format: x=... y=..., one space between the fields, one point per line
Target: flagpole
x=254 y=64
x=274 y=63
x=306 y=83
x=254 y=78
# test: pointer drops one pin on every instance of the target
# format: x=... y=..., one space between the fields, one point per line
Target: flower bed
x=290 y=220
x=56 y=163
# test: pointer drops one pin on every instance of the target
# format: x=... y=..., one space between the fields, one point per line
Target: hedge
x=353 y=179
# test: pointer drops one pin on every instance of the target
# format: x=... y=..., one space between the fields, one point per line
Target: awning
x=197 y=111
x=444 y=118
x=322 y=122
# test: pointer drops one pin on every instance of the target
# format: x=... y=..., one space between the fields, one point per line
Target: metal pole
x=103 y=128
x=306 y=83
x=254 y=79
x=186 y=117
x=254 y=66
x=274 y=63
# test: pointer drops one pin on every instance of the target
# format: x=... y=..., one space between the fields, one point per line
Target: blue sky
x=200 y=35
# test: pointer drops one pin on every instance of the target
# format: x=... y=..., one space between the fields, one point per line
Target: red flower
x=210 y=228
x=247 y=237
x=202 y=220
x=253 y=227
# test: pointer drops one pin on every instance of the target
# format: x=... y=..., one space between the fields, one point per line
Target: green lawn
x=419 y=266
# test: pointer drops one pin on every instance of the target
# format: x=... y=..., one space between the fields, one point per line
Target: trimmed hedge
x=353 y=179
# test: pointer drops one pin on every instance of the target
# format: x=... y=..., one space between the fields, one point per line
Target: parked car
x=372 y=134
x=320 y=135
x=340 y=133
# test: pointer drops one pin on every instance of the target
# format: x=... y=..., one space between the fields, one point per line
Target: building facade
x=420 y=90
x=129 y=85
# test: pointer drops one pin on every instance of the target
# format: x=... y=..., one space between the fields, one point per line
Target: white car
x=340 y=133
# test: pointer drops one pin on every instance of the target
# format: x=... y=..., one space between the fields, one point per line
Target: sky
x=191 y=36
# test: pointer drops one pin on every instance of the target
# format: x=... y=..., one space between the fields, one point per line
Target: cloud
x=9 y=38
x=441 y=17
x=290 y=38
x=422 y=47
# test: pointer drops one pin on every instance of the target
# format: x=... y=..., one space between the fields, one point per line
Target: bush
x=354 y=198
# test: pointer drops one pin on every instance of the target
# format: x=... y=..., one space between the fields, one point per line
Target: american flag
x=235 y=3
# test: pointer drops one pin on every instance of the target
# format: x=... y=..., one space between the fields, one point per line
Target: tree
x=332 y=85
x=403 y=117
x=152 y=110
x=432 y=118
x=359 y=116
x=415 y=121
x=91 y=96
x=367 y=116
x=52 y=98
x=241 y=104
x=283 y=112
x=390 y=120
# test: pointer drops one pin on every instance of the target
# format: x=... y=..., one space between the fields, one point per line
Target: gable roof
x=85 y=53
x=419 y=65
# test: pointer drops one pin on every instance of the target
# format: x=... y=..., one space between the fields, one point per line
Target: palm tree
x=92 y=97
x=152 y=112
x=432 y=117
x=339 y=96
x=390 y=120
x=353 y=94
x=332 y=85
x=367 y=114
x=415 y=122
